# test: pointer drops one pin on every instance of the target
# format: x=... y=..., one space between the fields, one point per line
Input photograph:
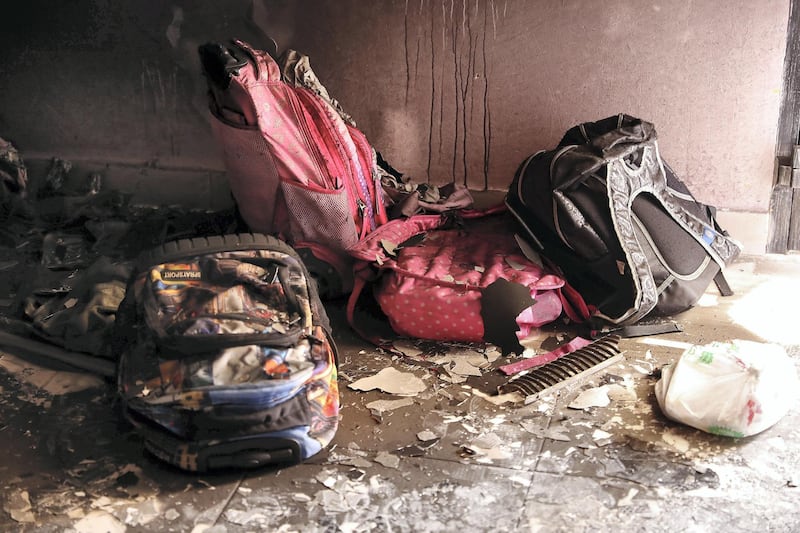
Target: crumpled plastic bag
x=734 y=389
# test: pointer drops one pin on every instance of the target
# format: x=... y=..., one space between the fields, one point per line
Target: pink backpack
x=437 y=282
x=297 y=166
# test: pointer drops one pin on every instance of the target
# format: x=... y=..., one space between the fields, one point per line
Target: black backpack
x=626 y=232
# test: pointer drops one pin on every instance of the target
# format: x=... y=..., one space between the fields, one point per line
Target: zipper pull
x=362 y=208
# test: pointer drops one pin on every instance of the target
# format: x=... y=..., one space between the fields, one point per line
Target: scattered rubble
x=601 y=438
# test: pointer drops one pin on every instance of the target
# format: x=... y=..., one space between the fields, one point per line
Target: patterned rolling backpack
x=225 y=354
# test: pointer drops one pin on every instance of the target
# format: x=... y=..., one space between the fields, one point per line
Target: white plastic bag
x=735 y=389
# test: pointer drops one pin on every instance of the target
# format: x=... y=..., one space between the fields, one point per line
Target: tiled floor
x=446 y=459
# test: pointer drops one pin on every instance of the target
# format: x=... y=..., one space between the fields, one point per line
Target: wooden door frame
x=784 y=207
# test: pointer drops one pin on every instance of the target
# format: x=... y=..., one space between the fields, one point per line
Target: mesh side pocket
x=321 y=217
x=252 y=176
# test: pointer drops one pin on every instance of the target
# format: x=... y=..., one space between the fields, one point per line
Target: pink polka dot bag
x=464 y=281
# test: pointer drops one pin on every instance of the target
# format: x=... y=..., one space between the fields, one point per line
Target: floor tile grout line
x=227 y=502
x=534 y=471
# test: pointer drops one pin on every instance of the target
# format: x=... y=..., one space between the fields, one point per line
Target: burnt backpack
x=225 y=354
x=626 y=232
x=297 y=166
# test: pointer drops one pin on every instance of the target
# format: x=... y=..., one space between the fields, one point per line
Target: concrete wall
x=452 y=89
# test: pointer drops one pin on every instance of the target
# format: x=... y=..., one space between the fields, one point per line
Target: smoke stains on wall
x=447 y=90
x=417 y=76
x=465 y=90
x=445 y=46
x=159 y=97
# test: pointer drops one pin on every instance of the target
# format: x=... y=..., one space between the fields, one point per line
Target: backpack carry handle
x=621 y=141
x=219 y=64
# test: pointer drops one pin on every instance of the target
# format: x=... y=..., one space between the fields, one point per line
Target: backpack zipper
x=194 y=344
x=372 y=197
x=330 y=140
x=362 y=208
x=318 y=160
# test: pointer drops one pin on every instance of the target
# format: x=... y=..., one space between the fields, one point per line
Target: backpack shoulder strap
x=623 y=183
x=722 y=284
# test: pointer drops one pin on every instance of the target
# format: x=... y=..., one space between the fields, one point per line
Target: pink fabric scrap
x=547 y=306
x=575 y=344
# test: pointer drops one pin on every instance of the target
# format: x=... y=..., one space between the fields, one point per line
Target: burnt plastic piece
x=219 y=63
x=565 y=370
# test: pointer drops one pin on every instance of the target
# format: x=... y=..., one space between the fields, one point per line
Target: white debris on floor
x=443 y=451
x=392 y=381
x=96 y=521
x=594 y=397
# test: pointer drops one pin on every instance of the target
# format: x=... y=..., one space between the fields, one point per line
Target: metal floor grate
x=565 y=370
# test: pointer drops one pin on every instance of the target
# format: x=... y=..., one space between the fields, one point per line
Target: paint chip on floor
x=389 y=405
x=427 y=435
x=389 y=460
x=676 y=441
x=392 y=381
x=594 y=397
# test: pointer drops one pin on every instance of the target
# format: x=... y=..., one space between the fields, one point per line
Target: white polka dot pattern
x=432 y=290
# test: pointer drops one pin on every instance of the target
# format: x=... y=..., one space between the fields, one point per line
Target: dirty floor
x=443 y=459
